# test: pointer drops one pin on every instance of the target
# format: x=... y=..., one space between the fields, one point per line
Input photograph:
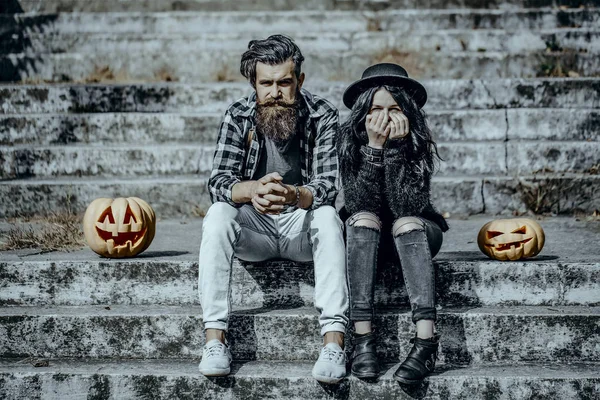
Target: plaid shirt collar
x=248 y=110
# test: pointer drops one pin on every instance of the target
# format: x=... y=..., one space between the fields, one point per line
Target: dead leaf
x=40 y=363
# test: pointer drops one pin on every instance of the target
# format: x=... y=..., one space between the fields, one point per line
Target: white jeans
x=299 y=236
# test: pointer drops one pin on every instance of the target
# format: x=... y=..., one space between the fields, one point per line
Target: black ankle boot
x=420 y=361
x=364 y=357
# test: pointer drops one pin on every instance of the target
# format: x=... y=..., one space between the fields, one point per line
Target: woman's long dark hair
x=418 y=147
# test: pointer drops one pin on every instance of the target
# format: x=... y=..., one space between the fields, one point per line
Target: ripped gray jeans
x=416 y=241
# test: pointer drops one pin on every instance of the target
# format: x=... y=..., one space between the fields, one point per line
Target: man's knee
x=325 y=215
x=407 y=224
x=219 y=215
x=365 y=219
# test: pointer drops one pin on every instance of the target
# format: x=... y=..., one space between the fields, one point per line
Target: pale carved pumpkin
x=123 y=227
x=511 y=239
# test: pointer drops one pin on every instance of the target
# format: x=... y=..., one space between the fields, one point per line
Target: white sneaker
x=216 y=359
x=331 y=365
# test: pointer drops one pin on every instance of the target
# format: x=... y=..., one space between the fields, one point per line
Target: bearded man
x=272 y=185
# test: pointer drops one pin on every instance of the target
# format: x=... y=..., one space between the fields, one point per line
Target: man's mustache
x=278 y=103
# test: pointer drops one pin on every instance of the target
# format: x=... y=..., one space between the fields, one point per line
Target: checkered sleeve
x=227 y=161
x=324 y=182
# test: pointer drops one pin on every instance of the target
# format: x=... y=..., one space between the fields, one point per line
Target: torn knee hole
x=409 y=225
x=365 y=220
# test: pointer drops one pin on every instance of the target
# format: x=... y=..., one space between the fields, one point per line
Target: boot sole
x=365 y=376
x=407 y=381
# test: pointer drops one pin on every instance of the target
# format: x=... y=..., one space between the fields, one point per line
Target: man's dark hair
x=274 y=50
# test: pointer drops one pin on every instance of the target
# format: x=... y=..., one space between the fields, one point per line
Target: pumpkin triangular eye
x=107 y=213
x=493 y=234
x=129 y=216
x=522 y=230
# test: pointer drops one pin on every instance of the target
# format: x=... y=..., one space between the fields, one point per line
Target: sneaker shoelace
x=328 y=354
x=215 y=350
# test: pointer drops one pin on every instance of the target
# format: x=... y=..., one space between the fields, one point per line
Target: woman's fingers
x=384 y=120
x=406 y=125
x=401 y=124
x=393 y=128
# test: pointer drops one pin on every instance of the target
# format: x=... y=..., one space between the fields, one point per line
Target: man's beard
x=278 y=119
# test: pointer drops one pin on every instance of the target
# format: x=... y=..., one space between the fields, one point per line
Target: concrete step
x=222 y=66
x=464 y=278
x=133 y=379
x=406 y=20
x=216 y=97
x=357 y=43
x=469 y=335
x=166 y=379
x=520 y=157
x=274 y=5
x=187 y=195
x=166 y=159
x=200 y=128
x=565 y=273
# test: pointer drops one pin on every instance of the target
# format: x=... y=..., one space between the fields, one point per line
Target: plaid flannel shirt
x=234 y=162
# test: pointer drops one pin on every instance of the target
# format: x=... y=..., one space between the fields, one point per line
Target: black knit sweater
x=395 y=190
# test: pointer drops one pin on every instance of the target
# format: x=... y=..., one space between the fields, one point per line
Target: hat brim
x=412 y=88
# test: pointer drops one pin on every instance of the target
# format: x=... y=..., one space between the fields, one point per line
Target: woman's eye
x=395 y=110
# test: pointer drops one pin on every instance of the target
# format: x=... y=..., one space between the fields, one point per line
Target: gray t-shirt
x=281 y=157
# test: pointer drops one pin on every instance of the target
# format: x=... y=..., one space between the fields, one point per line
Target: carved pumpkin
x=511 y=239
x=123 y=227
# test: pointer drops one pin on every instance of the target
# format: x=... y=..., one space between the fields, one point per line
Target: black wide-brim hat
x=385 y=74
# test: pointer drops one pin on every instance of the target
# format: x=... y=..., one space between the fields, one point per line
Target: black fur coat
x=398 y=189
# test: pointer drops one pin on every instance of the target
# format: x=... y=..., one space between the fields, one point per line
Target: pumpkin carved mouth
x=508 y=246
x=116 y=234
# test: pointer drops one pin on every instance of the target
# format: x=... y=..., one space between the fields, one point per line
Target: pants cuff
x=215 y=325
x=333 y=327
x=361 y=315
x=424 y=313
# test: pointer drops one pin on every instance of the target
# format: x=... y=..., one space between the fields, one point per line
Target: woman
x=386 y=156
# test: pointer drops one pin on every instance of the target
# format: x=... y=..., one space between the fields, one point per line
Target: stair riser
x=188 y=197
x=286 y=284
x=467 y=338
x=341 y=21
x=459 y=158
x=447 y=126
x=69 y=161
x=367 y=43
x=216 y=97
x=276 y=5
x=324 y=66
x=145 y=383
x=550 y=194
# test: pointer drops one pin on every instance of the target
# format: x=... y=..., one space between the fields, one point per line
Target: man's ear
x=301 y=80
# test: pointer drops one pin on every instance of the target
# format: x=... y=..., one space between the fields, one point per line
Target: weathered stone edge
x=255 y=380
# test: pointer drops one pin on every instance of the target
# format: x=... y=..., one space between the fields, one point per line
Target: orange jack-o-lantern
x=511 y=239
x=123 y=227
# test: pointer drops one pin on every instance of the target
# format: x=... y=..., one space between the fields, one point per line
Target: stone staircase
x=124 y=97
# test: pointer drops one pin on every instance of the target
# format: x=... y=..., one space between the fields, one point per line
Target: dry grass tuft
x=104 y=74
x=165 y=75
x=198 y=211
x=415 y=65
x=59 y=231
x=547 y=195
x=225 y=74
